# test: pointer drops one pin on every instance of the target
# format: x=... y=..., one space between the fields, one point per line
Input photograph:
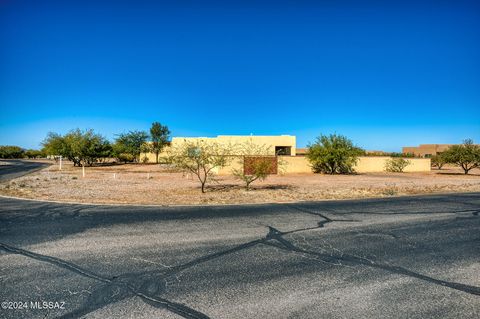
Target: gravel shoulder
x=154 y=184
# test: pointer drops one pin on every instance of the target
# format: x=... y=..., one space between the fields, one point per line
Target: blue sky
x=384 y=73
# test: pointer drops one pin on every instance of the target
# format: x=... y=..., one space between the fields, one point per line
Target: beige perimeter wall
x=377 y=164
x=365 y=164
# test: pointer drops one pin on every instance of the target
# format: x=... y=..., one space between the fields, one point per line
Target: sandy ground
x=154 y=184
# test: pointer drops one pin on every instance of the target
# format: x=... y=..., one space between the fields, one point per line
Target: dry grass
x=154 y=184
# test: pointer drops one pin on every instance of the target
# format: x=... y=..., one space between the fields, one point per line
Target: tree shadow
x=231 y=187
x=223 y=187
x=273 y=187
x=457 y=174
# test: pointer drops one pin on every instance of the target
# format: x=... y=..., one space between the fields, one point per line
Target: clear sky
x=384 y=73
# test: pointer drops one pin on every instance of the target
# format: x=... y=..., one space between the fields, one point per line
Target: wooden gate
x=251 y=162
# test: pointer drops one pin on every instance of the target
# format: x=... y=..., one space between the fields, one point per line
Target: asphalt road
x=410 y=257
x=10 y=169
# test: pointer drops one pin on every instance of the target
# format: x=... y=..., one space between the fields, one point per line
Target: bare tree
x=200 y=157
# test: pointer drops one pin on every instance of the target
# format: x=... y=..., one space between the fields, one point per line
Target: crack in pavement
x=100 y=298
x=147 y=285
x=474 y=212
x=53 y=260
x=351 y=260
x=148 y=282
x=325 y=220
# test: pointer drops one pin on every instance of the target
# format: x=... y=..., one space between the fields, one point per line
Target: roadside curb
x=229 y=205
x=145 y=205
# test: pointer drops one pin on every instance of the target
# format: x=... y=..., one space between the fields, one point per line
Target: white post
x=60 y=165
x=148 y=175
x=83 y=170
x=114 y=175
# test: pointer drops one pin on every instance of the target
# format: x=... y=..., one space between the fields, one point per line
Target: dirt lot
x=153 y=184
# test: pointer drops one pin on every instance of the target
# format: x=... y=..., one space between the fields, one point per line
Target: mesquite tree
x=130 y=145
x=466 y=155
x=159 y=135
x=200 y=157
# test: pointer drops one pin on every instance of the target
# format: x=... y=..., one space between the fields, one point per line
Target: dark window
x=283 y=150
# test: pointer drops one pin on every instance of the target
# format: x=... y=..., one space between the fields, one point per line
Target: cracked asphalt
x=407 y=257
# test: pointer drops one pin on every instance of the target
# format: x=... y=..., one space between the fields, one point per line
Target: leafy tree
x=56 y=144
x=260 y=164
x=466 y=155
x=333 y=154
x=80 y=147
x=159 y=135
x=396 y=164
x=120 y=153
x=438 y=161
x=89 y=147
x=200 y=158
x=10 y=151
x=130 y=145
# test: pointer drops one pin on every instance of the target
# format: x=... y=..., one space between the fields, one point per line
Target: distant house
x=426 y=150
x=278 y=144
x=301 y=151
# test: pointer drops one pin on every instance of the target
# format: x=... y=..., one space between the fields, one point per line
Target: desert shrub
x=396 y=164
x=333 y=154
x=390 y=190
x=125 y=157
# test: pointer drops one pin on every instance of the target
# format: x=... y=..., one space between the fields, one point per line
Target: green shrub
x=333 y=154
x=125 y=157
x=396 y=164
